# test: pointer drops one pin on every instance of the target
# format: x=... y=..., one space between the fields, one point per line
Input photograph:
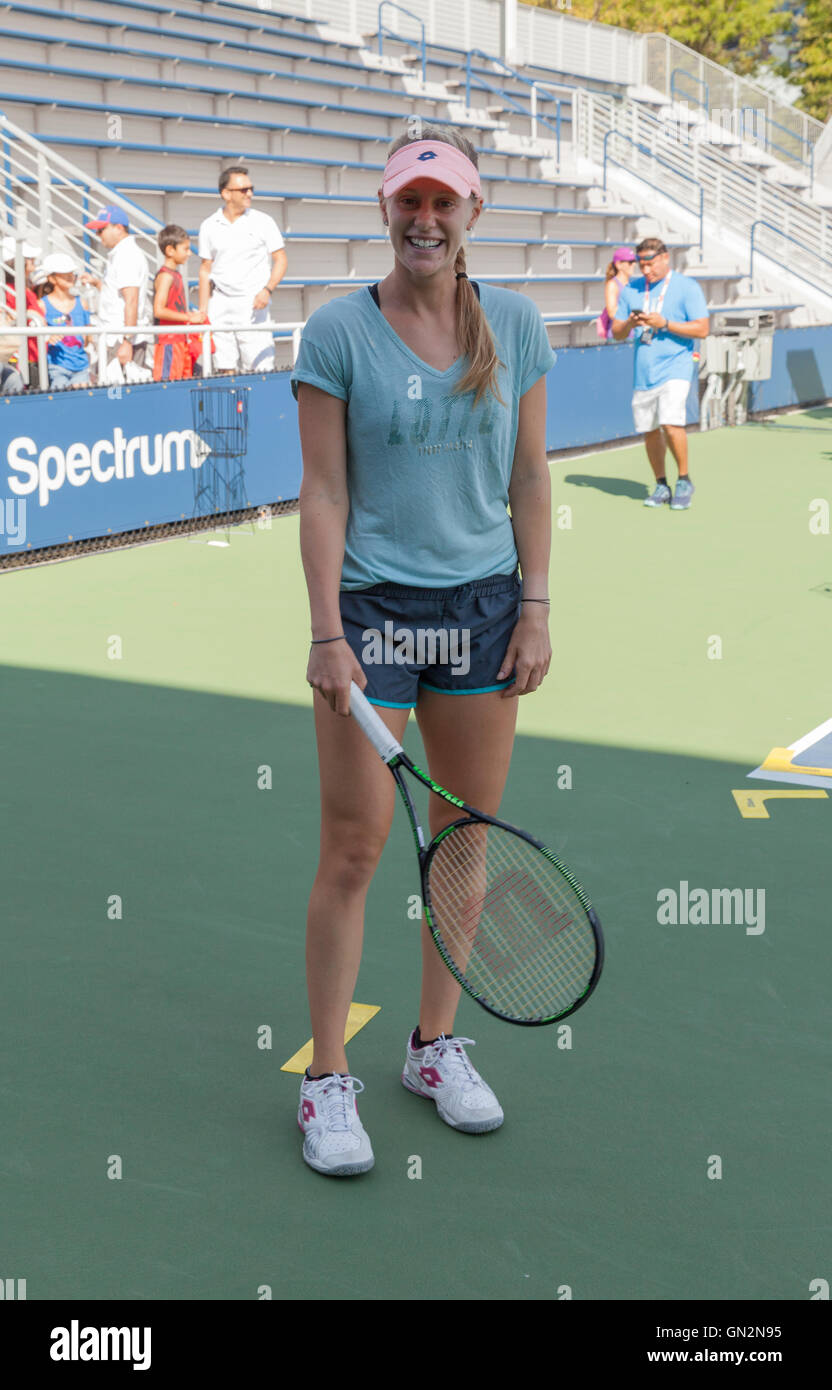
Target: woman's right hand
x=331 y=667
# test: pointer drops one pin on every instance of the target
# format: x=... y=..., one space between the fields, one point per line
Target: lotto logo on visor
x=447 y=165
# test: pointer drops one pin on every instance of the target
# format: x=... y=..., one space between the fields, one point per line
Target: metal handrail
x=482 y=83
x=48 y=163
x=735 y=195
x=283 y=331
x=760 y=222
x=706 y=105
x=773 y=144
x=391 y=34
x=645 y=149
x=720 y=77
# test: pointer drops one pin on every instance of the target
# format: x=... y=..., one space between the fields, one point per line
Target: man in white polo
x=243 y=262
x=669 y=312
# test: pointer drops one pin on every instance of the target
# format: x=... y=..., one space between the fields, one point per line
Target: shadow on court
x=616 y=487
x=155 y=900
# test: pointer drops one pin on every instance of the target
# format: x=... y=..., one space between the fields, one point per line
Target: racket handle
x=374 y=727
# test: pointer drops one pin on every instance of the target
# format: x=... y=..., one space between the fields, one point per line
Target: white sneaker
x=335 y=1141
x=442 y=1072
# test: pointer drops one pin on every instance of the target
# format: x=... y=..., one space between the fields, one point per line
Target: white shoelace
x=335 y=1096
x=455 y=1061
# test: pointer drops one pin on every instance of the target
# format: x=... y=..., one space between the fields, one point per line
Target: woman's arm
x=324 y=508
x=612 y=294
x=530 y=499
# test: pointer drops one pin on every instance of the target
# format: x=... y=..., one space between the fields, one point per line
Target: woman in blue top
x=67 y=358
x=422 y=406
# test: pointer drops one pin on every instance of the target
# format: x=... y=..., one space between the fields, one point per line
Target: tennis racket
x=510 y=921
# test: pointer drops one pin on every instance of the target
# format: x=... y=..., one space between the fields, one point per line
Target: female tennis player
x=422 y=404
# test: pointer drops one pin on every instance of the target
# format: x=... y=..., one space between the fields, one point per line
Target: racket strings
x=511 y=922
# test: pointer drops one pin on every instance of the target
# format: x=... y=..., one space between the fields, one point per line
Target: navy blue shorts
x=449 y=640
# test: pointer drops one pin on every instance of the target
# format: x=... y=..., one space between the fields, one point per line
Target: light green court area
x=145 y=691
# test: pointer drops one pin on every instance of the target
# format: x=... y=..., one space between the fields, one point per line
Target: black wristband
x=316 y=641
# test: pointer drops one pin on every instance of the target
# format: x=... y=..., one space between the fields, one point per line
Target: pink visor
x=431 y=159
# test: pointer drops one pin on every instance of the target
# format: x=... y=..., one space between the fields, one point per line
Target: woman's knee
x=350 y=855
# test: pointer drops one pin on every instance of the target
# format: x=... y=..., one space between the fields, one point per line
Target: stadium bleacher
x=153 y=101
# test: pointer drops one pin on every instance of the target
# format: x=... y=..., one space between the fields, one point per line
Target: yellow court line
x=780 y=760
x=358 y=1015
x=751 y=805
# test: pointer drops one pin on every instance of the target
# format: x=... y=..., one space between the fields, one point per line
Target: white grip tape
x=374 y=727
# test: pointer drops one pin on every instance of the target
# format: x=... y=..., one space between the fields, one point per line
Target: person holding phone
x=669 y=313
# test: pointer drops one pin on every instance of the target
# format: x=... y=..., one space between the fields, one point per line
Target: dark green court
x=155 y=901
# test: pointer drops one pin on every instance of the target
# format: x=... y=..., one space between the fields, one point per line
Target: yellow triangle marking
x=751 y=805
x=358 y=1015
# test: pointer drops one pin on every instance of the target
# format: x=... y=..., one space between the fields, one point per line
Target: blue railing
x=483 y=84
x=706 y=104
x=825 y=286
x=769 y=123
x=645 y=149
x=393 y=35
x=770 y=144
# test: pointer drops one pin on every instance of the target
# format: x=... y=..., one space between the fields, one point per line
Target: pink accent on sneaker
x=431 y=1076
x=308 y=1110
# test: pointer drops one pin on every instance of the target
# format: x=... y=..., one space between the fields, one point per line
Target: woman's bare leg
x=357 y=804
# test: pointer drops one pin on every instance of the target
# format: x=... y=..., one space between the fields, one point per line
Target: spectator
x=34 y=315
x=172 y=360
x=11 y=382
x=619 y=271
x=243 y=262
x=123 y=291
x=669 y=311
x=68 y=360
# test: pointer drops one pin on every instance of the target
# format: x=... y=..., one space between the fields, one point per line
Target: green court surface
x=137 y=1037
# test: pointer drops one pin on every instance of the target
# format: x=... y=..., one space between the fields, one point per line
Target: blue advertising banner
x=94 y=463
x=801 y=370
x=589 y=394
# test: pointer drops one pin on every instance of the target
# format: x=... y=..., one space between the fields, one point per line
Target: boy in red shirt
x=172 y=360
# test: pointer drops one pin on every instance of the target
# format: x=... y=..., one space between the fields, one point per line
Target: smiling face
x=428 y=222
x=238 y=193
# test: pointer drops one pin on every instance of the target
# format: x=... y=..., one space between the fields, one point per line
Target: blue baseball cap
x=110 y=216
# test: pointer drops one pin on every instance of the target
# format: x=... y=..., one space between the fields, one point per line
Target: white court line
x=814 y=737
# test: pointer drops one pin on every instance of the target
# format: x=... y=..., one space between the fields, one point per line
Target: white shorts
x=661 y=405
x=254 y=350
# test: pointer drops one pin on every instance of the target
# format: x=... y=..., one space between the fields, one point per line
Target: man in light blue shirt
x=669 y=312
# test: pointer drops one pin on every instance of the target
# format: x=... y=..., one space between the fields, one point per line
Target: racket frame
x=392 y=753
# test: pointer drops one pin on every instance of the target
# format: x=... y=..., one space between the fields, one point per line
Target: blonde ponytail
x=475 y=338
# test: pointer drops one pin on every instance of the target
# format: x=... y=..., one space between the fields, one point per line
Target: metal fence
x=47 y=200
x=100 y=334
x=789 y=134
x=734 y=197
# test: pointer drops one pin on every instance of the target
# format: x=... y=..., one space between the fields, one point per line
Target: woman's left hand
x=528 y=653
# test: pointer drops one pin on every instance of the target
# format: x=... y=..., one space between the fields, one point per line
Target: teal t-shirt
x=428 y=474
x=669 y=357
